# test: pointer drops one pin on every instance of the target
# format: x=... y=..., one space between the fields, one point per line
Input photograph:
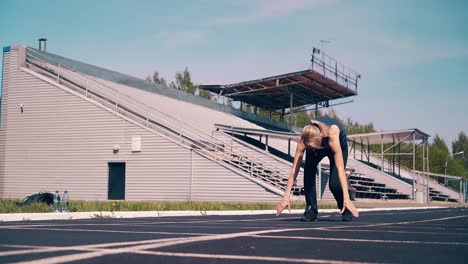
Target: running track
x=413 y=236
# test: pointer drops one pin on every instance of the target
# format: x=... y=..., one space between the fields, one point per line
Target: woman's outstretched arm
x=335 y=146
x=300 y=149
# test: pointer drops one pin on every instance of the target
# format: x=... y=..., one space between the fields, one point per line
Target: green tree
x=353 y=127
x=184 y=82
x=205 y=94
x=157 y=79
x=302 y=119
x=461 y=144
x=173 y=85
x=438 y=153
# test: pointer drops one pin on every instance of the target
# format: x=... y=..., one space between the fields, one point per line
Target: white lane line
x=363 y=240
x=34 y=251
x=220 y=221
x=30 y=249
x=220 y=227
x=404 y=213
x=117 y=231
x=240 y=257
x=104 y=252
x=425 y=228
x=66 y=225
x=402 y=223
x=143 y=223
x=393 y=231
x=433 y=220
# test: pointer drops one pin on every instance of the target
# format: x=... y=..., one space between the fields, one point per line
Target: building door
x=116 y=189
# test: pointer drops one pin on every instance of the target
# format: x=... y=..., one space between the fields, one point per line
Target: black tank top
x=331 y=121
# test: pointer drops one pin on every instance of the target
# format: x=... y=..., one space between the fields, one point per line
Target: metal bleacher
x=369 y=188
x=435 y=195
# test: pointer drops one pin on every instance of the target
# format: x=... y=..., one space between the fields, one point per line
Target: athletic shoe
x=308 y=217
x=347 y=216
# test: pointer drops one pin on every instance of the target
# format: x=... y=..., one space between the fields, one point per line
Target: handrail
x=185 y=133
x=332 y=69
x=277 y=159
x=427 y=176
x=402 y=167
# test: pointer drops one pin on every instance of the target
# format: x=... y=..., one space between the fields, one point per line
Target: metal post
x=393 y=158
x=461 y=194
x=399 y=159
x=423 y=169
x=336 y=71
x=354 y=144
x=312 y=60
x=381 y=153
x=266 y=142
x=466 y=186
x=319 y=180
x=290 y=109
x=289 y=147
x=368 y=150
x=58 y=74
x=427 y=170
x=414 y=161
x=362 y=148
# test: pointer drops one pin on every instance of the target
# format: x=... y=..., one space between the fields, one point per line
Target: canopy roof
x=258 y=132
x=306 y=87
x=389 y=136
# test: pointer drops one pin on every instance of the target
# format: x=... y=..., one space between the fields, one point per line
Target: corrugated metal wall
x=213 y=182
x=63 y=141
x=3 y=117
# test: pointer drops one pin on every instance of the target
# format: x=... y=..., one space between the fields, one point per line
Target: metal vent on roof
x=42 y=44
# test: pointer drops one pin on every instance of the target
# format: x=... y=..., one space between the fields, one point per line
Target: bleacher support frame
x=423 y=179
x=395 y=138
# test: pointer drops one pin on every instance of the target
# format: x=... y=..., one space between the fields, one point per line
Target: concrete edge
x=122 y=215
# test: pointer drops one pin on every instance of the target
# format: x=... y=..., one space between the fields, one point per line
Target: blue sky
x=413 y=55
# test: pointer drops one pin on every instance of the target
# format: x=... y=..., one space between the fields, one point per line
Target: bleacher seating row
x=367 y=187
x=434 y=195
x=272 y=177
x=438 y=196
x=364 y=187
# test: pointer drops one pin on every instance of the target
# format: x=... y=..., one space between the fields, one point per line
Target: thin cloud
x=383 y=52
x=269 y=9
x=414 y=50
x=182 y=38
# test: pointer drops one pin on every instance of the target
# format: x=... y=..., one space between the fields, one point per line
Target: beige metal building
x=104 y=135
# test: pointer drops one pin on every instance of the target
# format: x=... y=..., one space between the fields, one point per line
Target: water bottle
x=65 y=202
x=57 y=202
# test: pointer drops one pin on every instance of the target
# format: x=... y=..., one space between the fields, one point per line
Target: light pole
x=446 y=161
x=323 y=41
x=465 y=187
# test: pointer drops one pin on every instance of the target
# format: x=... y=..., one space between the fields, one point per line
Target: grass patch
x=9 y=206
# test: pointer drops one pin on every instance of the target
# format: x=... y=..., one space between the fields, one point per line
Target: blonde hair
x=309 y=132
